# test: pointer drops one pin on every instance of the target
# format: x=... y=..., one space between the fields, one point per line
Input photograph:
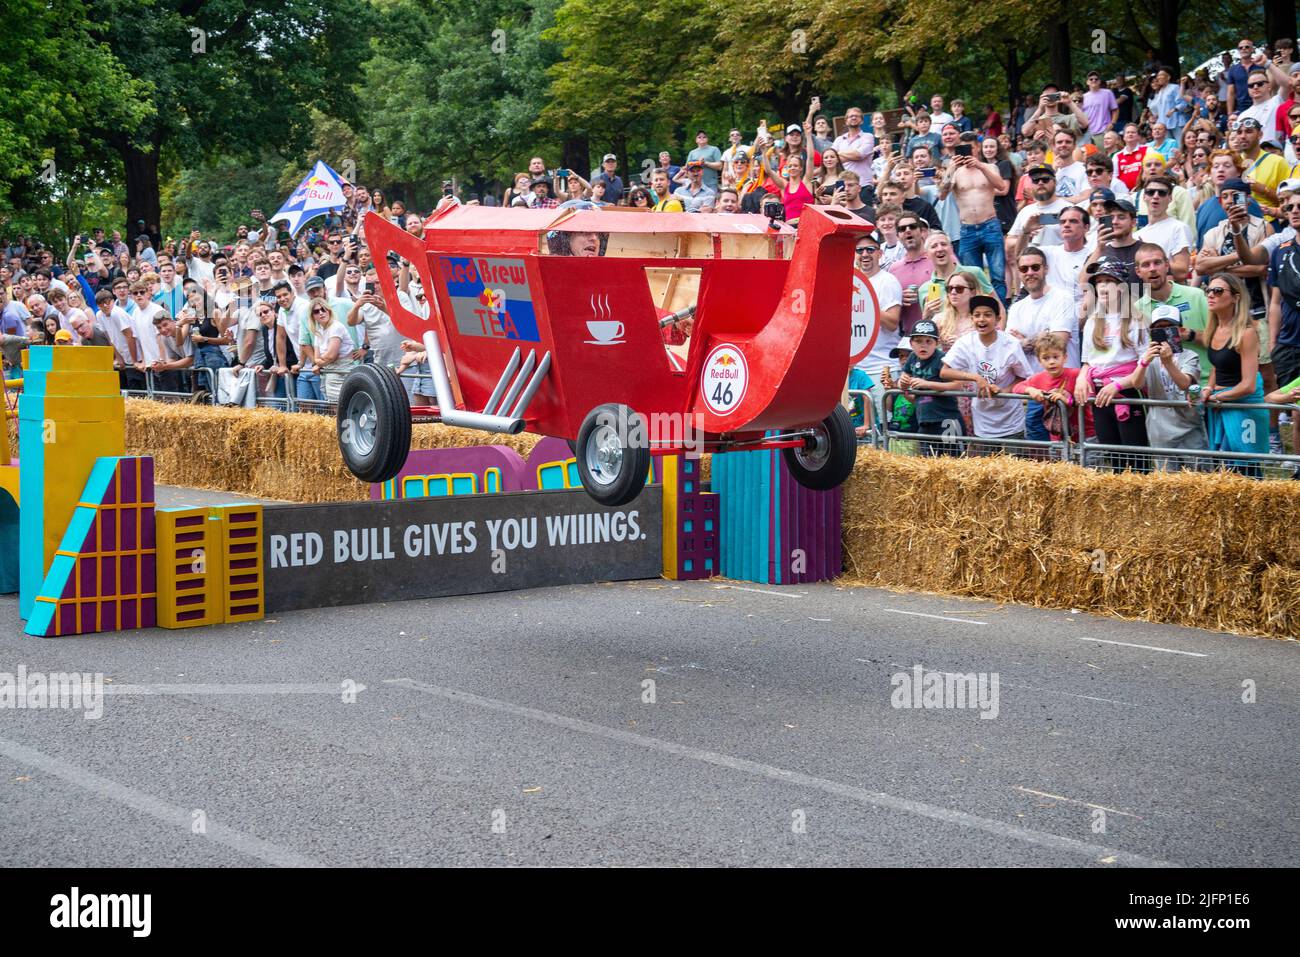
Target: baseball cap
x=1295 y=67
x=981 y=300
x=1286 y=186
x=1034 y=170
x=1241 y=186
x=1271 y=141
x=926 y=327
x=609 y=156
x=794 y=128
x=1123 y=204
x=695 y=164
x=1106 y=266
x=903 y=347
x=63 y=335
x=315 y=282
x=1166 y=313
x=1101 y=195
x=740 y=156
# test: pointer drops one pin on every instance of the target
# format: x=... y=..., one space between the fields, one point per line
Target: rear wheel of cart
x=374 y=423
x=612 y=472
x=827 y=458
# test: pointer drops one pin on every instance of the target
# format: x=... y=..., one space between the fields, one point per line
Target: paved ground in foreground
x=771 y=739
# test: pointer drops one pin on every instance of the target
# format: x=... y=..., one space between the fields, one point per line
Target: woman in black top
x=1004 y=206
x=200 y=322
x=1232 y=344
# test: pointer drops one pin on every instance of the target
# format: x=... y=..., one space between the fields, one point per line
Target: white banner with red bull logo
x=318 y=193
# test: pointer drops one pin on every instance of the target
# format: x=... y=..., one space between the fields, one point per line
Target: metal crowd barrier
x=947 y=443
x=1143 y=458
x=870 y=418
x=152 y=391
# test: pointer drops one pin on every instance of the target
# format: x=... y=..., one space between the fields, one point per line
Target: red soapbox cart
x=585 y=294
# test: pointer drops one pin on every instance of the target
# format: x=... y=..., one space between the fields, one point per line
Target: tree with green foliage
x=225 y=77
x=58 y=82
x=454 y=89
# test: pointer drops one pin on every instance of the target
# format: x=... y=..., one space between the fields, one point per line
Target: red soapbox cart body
x=535 y=326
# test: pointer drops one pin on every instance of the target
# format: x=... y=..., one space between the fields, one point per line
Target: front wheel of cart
x=612 y=471
x=827 y=458
x=374 y=423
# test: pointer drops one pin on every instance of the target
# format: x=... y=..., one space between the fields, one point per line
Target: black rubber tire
x=840 y=452
x=634 y=464
x=392 y=427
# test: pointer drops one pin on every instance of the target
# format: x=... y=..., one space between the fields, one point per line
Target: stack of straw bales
x=1213 y=551
x=267 y=453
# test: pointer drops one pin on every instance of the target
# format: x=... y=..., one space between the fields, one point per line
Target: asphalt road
x=516 y=729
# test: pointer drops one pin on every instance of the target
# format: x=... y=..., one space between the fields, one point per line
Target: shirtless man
x=975 y=183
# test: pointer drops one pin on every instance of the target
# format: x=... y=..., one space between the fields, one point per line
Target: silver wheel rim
x=604 y=455
x=817 y=453
x=362 y=423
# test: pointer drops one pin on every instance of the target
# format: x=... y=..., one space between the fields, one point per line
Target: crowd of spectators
x=1049 y=252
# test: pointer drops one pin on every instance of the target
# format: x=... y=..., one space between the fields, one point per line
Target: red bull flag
x=318 y=193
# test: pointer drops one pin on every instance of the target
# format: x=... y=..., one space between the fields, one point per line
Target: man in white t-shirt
x=1044 y=309
x=1066 y=260
x=385 y=341
x=1038 y=221
x=938 y=116
x=889 y=297
x=1263 y=105
x=1168 y=232
x=1071 y=175
x=146 y=334
x=993 y=361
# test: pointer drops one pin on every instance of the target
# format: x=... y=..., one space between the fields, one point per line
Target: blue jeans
x=1034 y=422
x=980 y=241
x=309 y=386
x=207 y=356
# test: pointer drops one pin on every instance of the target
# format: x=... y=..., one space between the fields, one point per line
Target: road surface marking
x=1100 y=807
x=762 y=591
x=183 y=689
x=921 y=614
x=1172 y=651
x=157 y=808
x=862 y=795
x=1071 y=694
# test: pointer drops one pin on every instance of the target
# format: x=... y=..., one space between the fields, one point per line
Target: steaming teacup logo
x=604 y=330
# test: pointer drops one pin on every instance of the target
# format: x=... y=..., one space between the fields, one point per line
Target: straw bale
x=267 y=453
x=1208 y=550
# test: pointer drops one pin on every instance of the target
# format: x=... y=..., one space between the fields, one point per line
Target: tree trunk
x=143 y=199
x=1279 y=19
x=1015 y=75
x=576 y=154
x=1058 y=54
x=902 y=78
x=1167 y=27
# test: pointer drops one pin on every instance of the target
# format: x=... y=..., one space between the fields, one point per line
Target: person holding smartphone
x=1040 y=220
x=1170 y=372
x=975 y=183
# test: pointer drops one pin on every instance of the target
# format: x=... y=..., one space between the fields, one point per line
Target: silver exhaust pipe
x=485 y=421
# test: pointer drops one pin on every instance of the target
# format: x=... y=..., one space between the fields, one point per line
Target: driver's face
x=584 y=244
